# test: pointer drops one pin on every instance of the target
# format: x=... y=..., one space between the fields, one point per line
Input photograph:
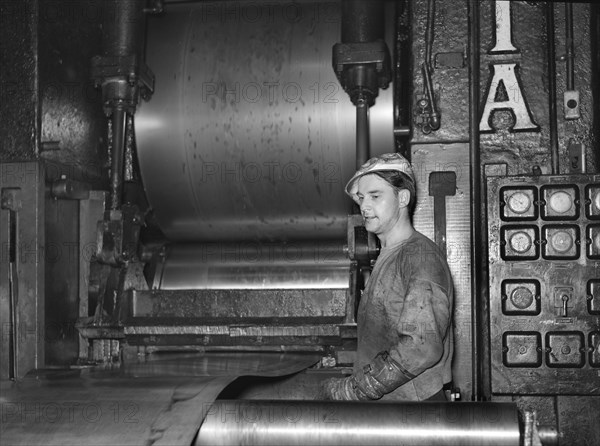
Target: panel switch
x=565 y=349
x=563 y=298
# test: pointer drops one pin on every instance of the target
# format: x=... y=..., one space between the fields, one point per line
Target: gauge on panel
x=561 y=241
x=560 y=202
x=520 y=242
x=519 y=202
x=521 y=297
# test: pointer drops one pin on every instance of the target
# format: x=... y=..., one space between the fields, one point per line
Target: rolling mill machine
x=180 y=264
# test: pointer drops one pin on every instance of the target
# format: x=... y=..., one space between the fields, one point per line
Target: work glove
x=381 y=376
x=342 y=389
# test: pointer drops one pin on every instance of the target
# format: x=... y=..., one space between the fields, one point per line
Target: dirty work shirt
x=406 y=309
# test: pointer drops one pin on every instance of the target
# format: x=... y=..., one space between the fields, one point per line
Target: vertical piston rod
x=363 y=152
x=363 y=24
x=118 y=119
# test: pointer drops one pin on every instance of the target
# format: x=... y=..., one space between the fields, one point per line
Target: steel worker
x=404 y=320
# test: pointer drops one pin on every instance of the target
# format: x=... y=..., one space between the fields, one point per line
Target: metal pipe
x=252 y=422
x=429 y=34
x=478 y=248
x=595 y=83
x=117 y=157
x=362 y=132
x=570 y=46
x=552 y=109
x=434 y=118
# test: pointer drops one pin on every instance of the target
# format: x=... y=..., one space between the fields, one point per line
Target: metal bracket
x=571 y=104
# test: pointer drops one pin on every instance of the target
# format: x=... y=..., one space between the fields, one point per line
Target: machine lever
x=441 y=185
x=565 y=300
x=11 y=201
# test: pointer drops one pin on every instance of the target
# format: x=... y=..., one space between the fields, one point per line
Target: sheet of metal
x=253 y=265
x=255 y=422
x=144 y=406
x=248 y=134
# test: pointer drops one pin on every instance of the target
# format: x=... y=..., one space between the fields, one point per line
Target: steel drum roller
x=255 y=265
x=249 y=135
x=258 y=422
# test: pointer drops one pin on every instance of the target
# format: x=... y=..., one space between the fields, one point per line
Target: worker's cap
x=387 y=161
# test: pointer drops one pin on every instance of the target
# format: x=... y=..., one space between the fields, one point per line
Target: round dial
x=521 y=297
x=519 y=202
x=520 y=242
x=561 y=202
x=561 y=241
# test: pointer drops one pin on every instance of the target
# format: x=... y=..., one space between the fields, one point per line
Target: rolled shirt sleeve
x=422 y=327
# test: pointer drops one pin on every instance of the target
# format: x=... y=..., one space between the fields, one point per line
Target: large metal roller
x=249 y=135
x=254 y=265
x=333 y=423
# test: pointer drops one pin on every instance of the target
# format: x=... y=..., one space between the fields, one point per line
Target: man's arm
x=422 y=326
x=423 y=321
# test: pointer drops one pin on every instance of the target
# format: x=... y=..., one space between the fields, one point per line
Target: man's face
x=379 y=204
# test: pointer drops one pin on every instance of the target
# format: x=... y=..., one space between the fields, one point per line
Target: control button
x=565 y=349
x=520 y=242
x=592 y=202
x=560 y=202
x=593 y=296
x=521 y=297
x=519 y=202
x=561 y=241
x=593 y=241
x=522 y=349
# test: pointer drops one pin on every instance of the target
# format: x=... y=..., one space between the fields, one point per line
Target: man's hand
x=342 y=389
x=381 y=376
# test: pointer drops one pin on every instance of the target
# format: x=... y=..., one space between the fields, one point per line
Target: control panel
x=544 y=279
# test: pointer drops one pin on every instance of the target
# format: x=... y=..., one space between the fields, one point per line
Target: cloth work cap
x=387 y=161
